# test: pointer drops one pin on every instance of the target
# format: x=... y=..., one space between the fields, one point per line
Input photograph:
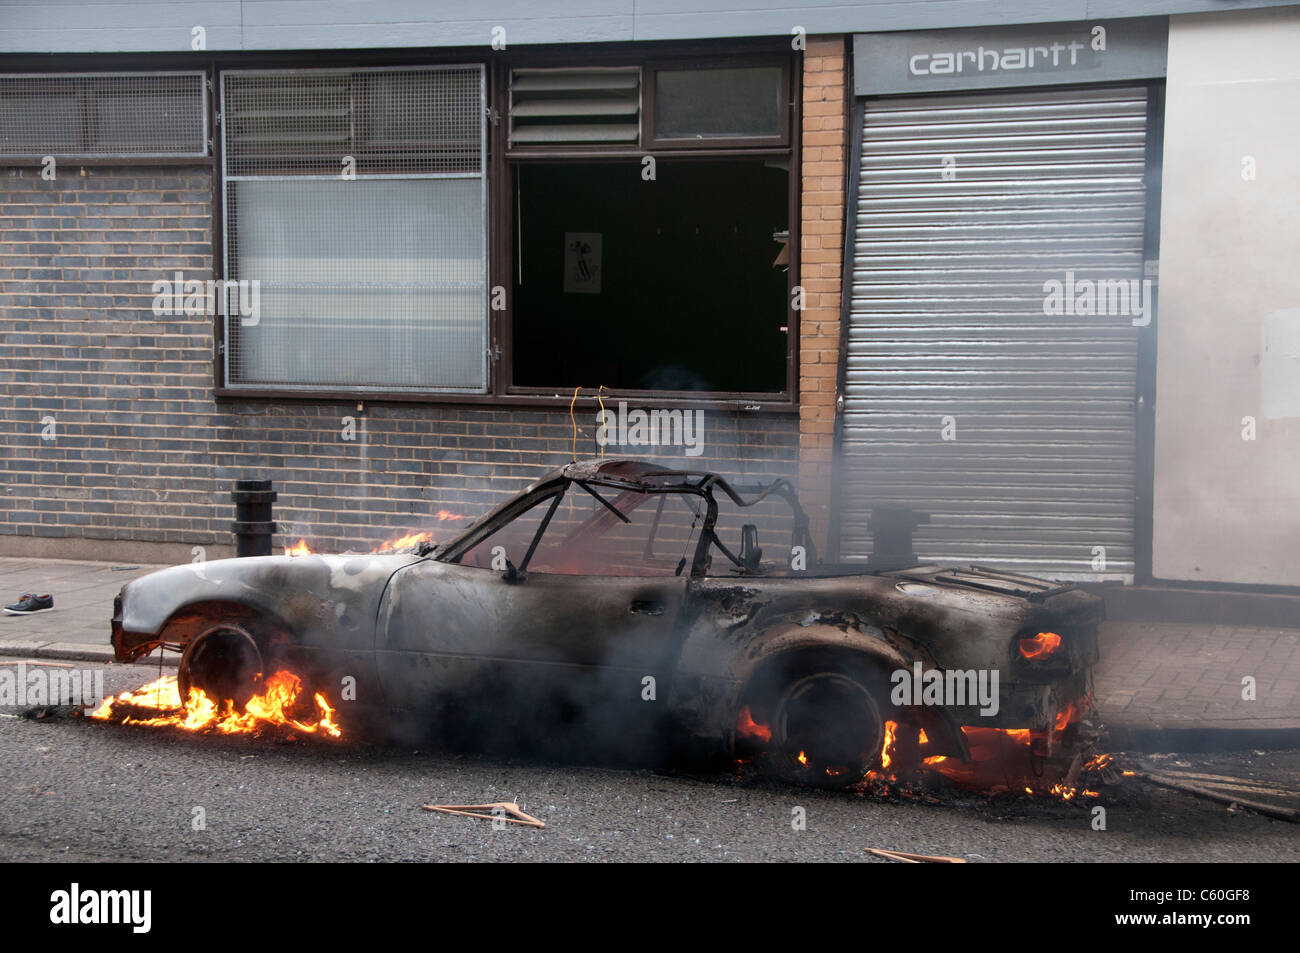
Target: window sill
x=766 y=404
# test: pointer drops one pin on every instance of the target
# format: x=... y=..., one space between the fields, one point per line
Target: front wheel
x=827 y=731
x=224 y=662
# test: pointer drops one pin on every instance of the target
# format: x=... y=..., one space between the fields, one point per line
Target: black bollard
x=253 y=526
x=891 y=537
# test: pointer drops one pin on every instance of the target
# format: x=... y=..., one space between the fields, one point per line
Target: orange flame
x=403 y=542
x=1040 y=646
x=273 y=707
x=803 y=759
x=891 y=736
x=746 y=727
x=1064 y=717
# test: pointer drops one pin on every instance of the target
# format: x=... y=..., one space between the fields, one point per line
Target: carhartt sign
x=1023 y=55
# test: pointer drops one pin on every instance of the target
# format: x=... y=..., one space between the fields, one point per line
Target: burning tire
x=224 y=662
x=827 y=730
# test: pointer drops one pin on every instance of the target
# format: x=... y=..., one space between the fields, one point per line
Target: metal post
x=891 y=537
x=253 y=526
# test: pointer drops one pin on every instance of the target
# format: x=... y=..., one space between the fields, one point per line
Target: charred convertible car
x=625 y=603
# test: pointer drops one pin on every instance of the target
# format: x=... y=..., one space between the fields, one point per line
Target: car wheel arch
x=818 y=642
x=268 y=638
x=194 y=619
x=827 y=648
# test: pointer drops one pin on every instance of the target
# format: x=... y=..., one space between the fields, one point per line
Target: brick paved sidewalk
x=1156 y=683
x=1180 y=677
x=79 y=624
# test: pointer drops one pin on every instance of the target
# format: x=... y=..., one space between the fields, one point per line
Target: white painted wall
x=1228 y=509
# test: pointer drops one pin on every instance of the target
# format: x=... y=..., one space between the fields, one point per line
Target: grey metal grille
x=103 y=114
x=946 y=320
x=389 y=121
x=372 y=272
x=588 y=106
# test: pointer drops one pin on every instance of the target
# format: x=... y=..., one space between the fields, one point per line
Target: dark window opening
x=674 y=284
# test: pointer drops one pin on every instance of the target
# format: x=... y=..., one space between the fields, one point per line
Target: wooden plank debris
x=905 y=858
x=507 y=811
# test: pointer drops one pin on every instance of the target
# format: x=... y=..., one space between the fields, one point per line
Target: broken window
x=663 y=285
x=649 y=214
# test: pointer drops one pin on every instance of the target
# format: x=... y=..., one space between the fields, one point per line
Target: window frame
x=500 y=392
x=649 y=98
x=87 y=133
x=502 y=188
x=222 y=243
x=555 y=491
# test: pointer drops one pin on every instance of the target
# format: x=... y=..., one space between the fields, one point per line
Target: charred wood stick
x=905 y=858
x=1072 y=775
x=1281 y=813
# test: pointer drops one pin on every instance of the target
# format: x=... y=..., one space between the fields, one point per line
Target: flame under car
x=629 y=606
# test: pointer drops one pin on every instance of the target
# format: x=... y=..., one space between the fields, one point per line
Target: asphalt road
x=78 y=790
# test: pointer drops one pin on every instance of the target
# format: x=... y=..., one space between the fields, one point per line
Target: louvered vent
x=583 y=106
x=98 y=114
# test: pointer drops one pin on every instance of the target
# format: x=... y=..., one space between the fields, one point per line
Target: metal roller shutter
x=947 y=320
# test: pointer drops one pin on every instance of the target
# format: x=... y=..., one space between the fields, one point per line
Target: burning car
x=641 y=605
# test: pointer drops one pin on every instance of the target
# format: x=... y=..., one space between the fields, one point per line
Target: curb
x=77 y=651
x=1200 y=740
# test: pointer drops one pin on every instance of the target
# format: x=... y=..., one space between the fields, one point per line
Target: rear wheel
x=827 y=730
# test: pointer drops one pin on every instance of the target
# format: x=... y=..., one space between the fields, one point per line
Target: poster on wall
x=582 y=263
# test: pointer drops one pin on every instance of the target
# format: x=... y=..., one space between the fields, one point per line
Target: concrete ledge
x=118 y=551
x=1200 y=739
x=1202 y=606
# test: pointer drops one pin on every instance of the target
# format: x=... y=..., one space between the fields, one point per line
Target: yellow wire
x=573 y=453
x=573 y=420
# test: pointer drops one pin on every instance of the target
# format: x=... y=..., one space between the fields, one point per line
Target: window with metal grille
x=103 y=114
x=356 y=199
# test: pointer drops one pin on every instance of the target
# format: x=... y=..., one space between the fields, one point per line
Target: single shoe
x=28 y=603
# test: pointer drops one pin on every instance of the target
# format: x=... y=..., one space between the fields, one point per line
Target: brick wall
x=825 y=143
x=142 y=456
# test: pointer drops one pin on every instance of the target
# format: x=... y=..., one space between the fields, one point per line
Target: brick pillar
x=825 y=147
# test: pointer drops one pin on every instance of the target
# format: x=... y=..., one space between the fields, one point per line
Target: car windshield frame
x=657 y=481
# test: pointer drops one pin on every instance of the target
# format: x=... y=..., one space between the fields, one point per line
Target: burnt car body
x=612 y=600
